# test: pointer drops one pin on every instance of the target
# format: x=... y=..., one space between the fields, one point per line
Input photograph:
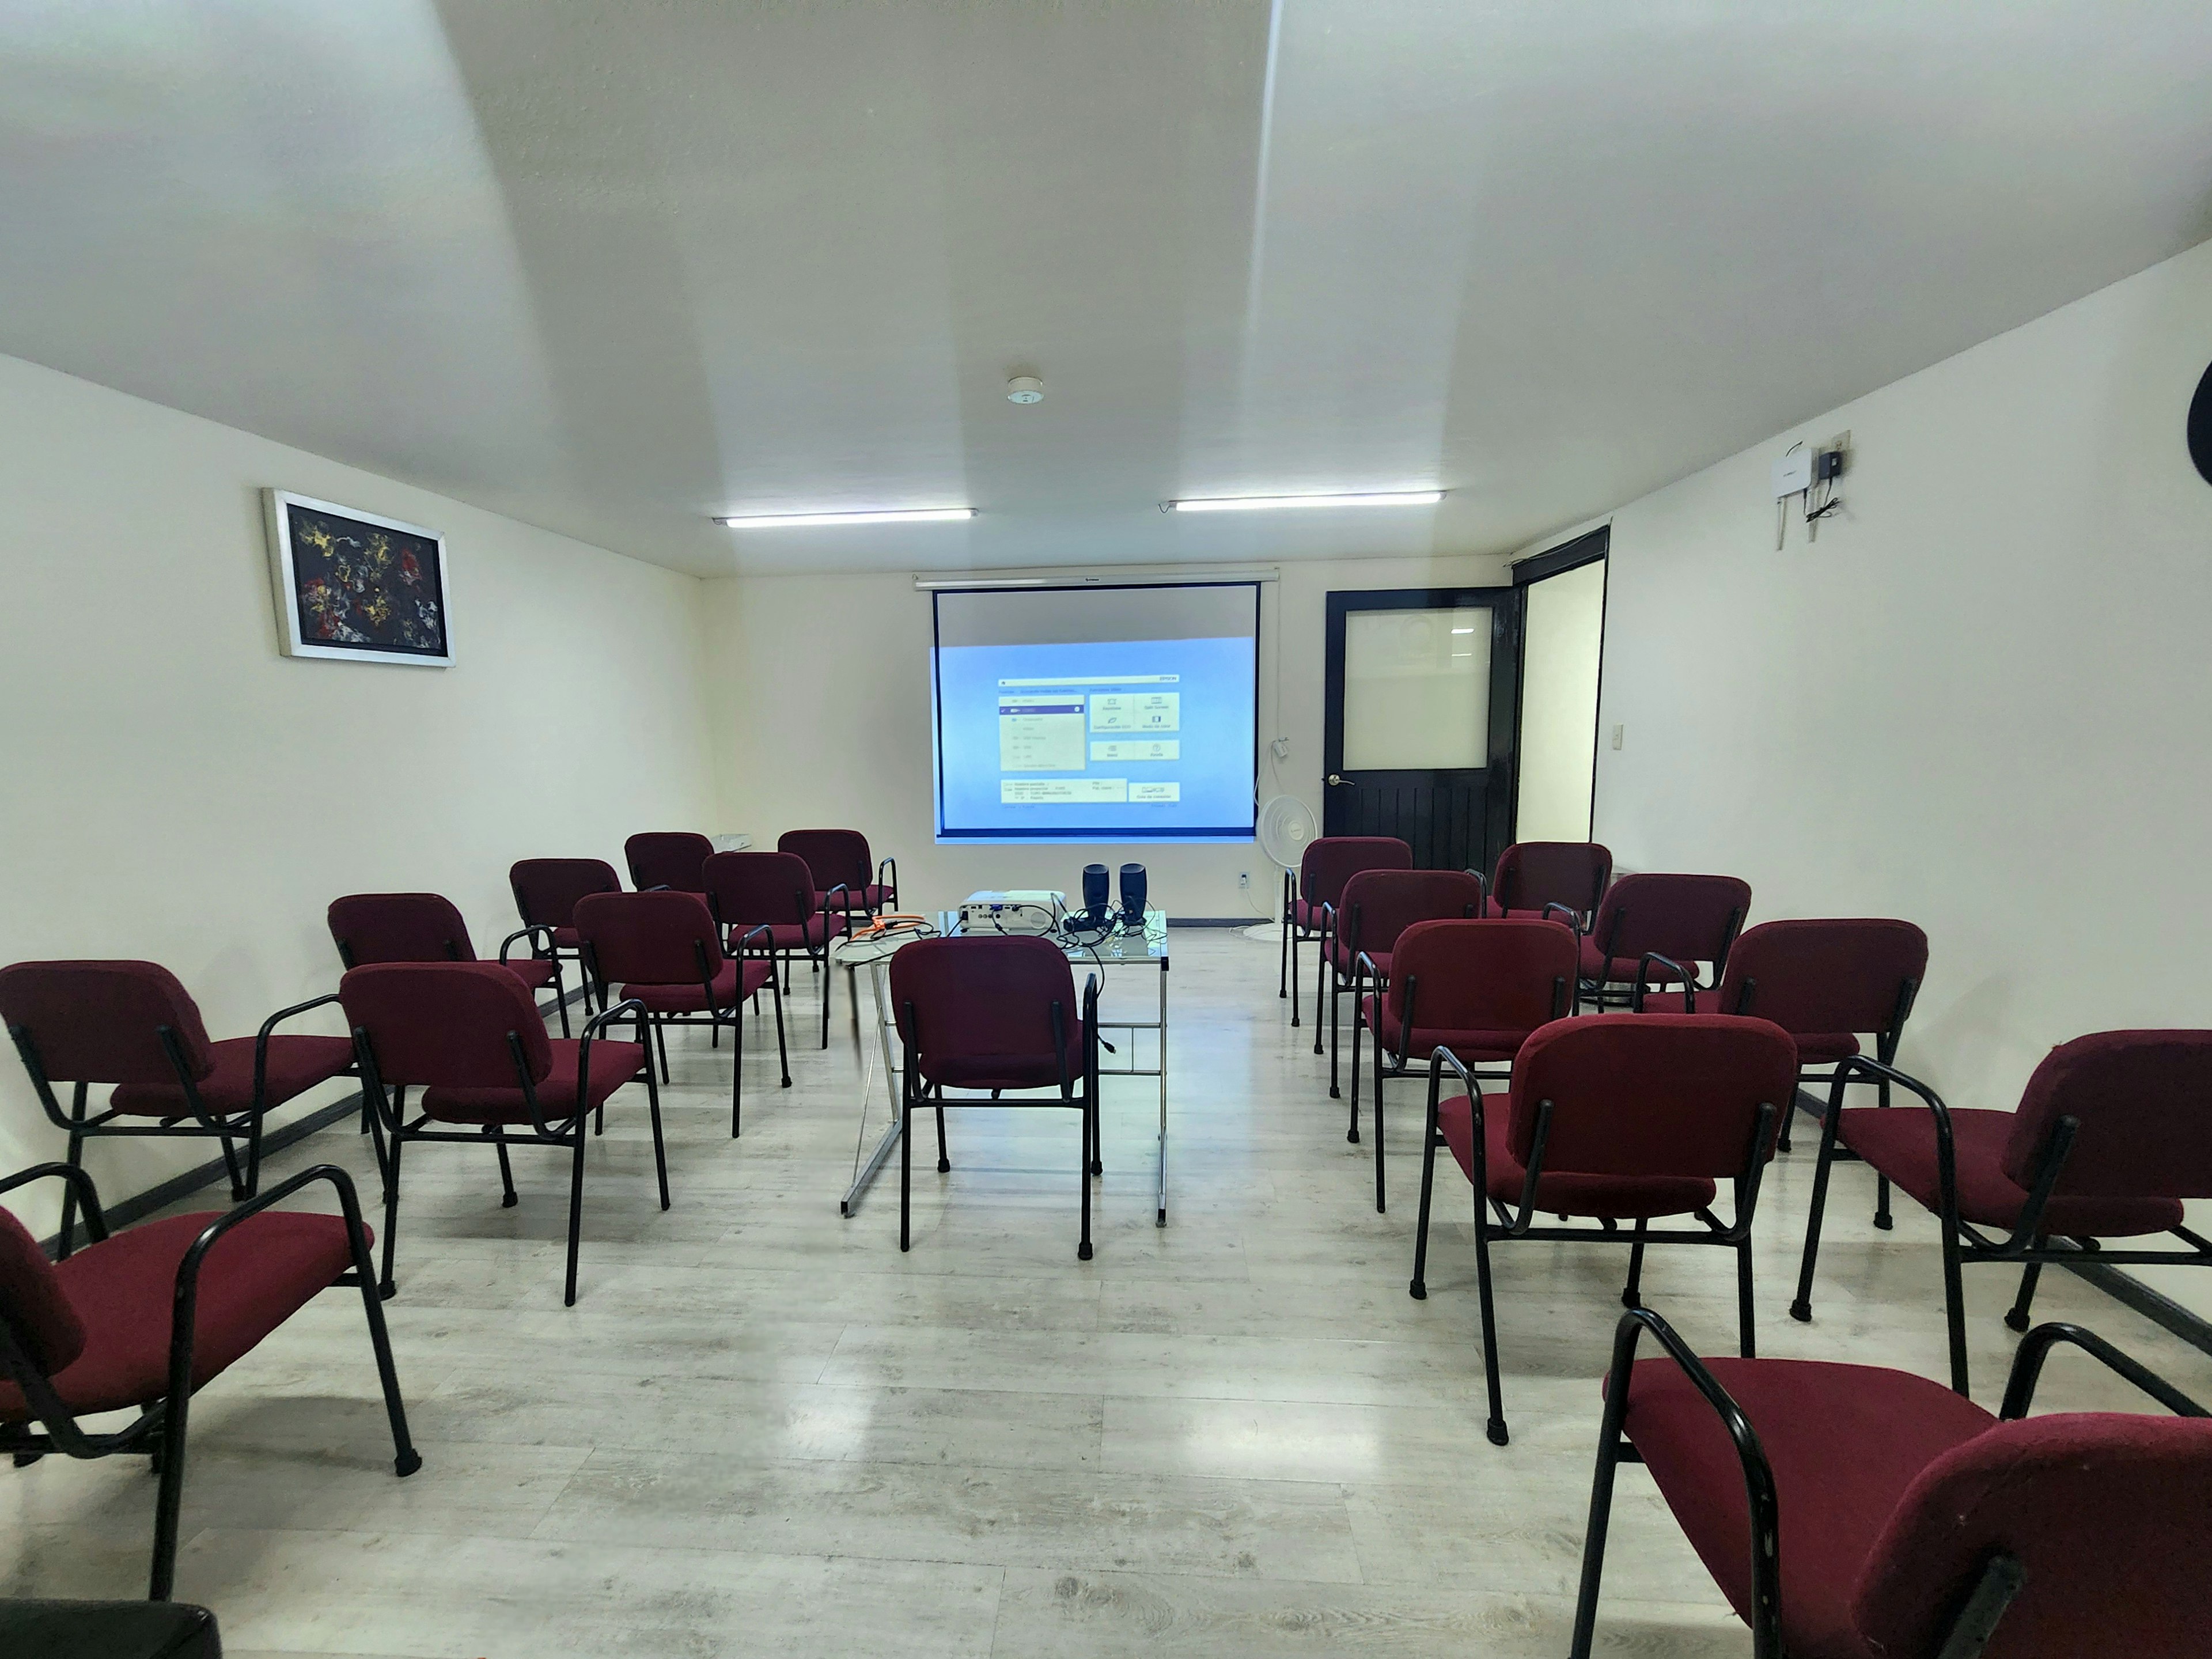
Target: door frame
x=1505 y=606
x=1592 y=547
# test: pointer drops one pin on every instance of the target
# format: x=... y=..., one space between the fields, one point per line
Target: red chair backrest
x=546 y=889
x=648 y=938
x=668 y=858
x=2105 y=1510
x=749 y=889
x=833 y=856
x=98 y=1022
x=1679 y=1098
x=2143 y=1101
x=445 y=1024
x=1504 y=975
x=34 y=1303
x=1378 y=905
x=982 y=999
x=1689 y=918
x=399 y=927
x=1824 y=976
x=1333 y=860
x=1533 y=873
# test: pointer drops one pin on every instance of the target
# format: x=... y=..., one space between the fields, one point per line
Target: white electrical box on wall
x=1793 y=473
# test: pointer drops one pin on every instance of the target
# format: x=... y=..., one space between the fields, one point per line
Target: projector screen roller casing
x=1096 y=713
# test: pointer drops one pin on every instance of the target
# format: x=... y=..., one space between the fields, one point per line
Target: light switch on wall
x=1618 y=732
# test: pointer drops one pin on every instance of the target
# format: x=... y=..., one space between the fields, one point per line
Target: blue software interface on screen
x=1122 y=738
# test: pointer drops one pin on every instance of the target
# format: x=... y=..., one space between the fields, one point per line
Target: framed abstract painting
x=354 y=585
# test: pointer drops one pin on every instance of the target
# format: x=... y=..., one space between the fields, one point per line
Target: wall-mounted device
x=1132 y=896
x=1810 y=474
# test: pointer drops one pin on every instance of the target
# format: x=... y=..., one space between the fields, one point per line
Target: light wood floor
x=763 y=1431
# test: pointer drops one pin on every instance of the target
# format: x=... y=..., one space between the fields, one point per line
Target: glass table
x=1111 y=952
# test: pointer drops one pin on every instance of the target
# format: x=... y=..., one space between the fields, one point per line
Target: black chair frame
x=1399 y=1062
x=914 y=1093
x=197 y=1119
x=712 y=1018
x=2002 y=1577
x=1294 y=935
x=1963 y=1242
x=394 y=1131
x=817 y=957
x=159 y=1429
x=852 y=910
x=1333 y=932
x=1603 y=999
x=1517 y=1222
x=1885 y=1048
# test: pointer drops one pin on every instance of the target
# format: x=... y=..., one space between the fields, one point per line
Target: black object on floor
x=108 y=1630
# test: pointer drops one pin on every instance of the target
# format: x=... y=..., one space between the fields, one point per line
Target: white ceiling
x=612 y=269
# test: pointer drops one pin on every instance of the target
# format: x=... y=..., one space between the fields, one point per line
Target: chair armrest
x=746 y=939
x=530 y=932
x=80 y=1181
x=2035 y=1347
x=268 y=1027
x=1947 y=1157
x=1574 y=917
x=1482 y=886
x=599 y=1022
x=1363 y=966
x=1680 y=970
x=889 y=863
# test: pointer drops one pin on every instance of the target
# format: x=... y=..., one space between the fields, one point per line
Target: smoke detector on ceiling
x=1025 y=389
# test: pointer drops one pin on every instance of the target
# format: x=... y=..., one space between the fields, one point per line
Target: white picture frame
x=357 y=587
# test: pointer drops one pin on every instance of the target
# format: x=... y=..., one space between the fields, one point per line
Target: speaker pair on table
x=1096 y=913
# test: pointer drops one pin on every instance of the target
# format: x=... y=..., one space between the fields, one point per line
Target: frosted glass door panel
x=1416 y=689
x=1566 y=633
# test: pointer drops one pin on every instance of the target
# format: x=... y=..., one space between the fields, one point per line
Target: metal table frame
x=875 y=955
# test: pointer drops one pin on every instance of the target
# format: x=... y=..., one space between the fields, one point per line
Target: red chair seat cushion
x=1348 y=960
x=792 y=935
x=297 y=1064
x=1305 y=913
x=736 y=982
x=870 y=898
x=1006 y=1071
x=1844 y=1441
x=613 y=1064
x=568 y=938
x=1621 y=1197
x=1468 y=1046
x=1594 y=971
x=258 y=1275
x=1900 y=1142
x=532 y=971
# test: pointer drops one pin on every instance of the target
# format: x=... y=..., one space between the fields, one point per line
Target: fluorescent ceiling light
x=781 y=521
x=1247 y=503
x=1462 y=630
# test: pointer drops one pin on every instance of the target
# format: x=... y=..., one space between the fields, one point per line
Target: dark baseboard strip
x=1223 y=921
x=2154 y=1305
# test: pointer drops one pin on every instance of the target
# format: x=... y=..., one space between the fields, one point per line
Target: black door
x=1419 y=741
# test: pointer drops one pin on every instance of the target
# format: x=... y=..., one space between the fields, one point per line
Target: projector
x=1021 y=910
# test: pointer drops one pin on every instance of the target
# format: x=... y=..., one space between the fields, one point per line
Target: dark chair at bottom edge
x=108 y=1630
x=1856 y=1512
x=143 y=1319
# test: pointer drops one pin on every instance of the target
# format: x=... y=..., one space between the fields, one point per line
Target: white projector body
x=1021 y=910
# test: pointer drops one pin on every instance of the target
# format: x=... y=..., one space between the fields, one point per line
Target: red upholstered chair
x=1374 y=908
x=131 y=1025
x=467 y=1035
x=2114 y=1130
x=1630 y=1118
x=545 y=894
x=1533 y=876
x=1822 y=981
x=1477 y=988
x=667 y=951
x=1310 y=896
x=847 y=878
x=141 y=1321
x=995 y=1014
x=1854 y=1512
x=748 y=891
x=1683 y=920
x=426 y=927
x=668 y=858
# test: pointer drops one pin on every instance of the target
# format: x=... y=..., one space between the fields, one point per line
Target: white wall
x=1981 y=700
x=177 y=790
x=821 y=693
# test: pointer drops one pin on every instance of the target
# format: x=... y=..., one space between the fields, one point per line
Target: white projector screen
x=1098 y=713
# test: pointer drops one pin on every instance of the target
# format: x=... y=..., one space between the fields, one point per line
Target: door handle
x=1337 y=778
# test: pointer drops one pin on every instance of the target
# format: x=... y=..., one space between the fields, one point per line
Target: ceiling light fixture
x=792 y=520
x=1251 y=503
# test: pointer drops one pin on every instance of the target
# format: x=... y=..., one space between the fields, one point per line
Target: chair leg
x=405 y=1459
x=1632 y=1295
x=1335 y=997
x=388 y=1285
x=906 y=1176
x=1954 y=1309
x=230 y=1167
x=1881 y=1215
x=1600 y=1517
x=169 y=1464
x=507 y=1198
x=828 y=984
x=2017 y=1317
x=659 y=1147
x=253 y=1154
x=1495 y=1428
x=561 y=996
x=1359 y=1032
x=775 y=995
x=1283 y=968
x=1419 y=1289
x=1380 y=1202
x=1747 y=1326
x=660 y=1042
x=737 y=1061
x=1290 y=939
x=943 y=1163
x=75 y=1159
x=1324 y=971
x=1801 y=1309
x=576 y=1206
x=1083 y=1251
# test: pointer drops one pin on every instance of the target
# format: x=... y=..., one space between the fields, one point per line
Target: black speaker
x=1096 y=882
x=1132 y=896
